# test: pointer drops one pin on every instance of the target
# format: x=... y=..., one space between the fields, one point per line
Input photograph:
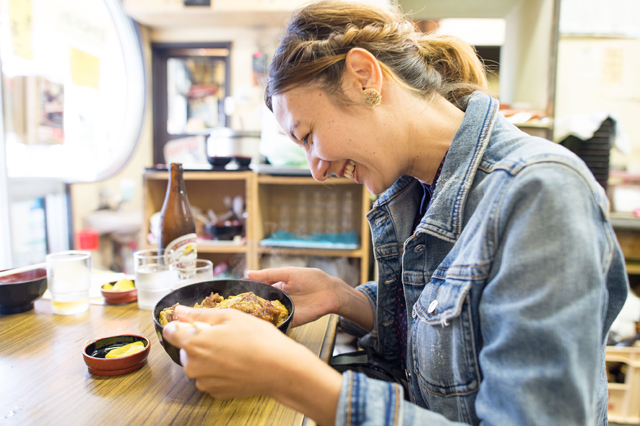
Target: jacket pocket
x=442 y=339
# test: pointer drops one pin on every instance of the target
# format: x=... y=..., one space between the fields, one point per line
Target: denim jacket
x=512 y=280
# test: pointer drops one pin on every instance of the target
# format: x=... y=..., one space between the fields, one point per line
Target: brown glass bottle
x=177 y=227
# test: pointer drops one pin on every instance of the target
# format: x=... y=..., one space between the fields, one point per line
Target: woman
x=499 y=272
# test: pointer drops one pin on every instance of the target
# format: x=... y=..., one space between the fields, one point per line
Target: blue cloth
x=342 y=241
x=512 y=280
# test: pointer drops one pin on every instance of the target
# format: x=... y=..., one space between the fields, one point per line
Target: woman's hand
x=314 y=292
x=231 y=354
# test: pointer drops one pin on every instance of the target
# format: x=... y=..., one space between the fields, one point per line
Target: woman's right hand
x=314 y=292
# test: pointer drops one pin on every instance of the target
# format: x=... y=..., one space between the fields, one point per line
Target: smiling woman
x=490 y=244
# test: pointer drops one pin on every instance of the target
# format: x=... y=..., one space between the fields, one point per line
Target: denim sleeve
x=365 y=401
x=370 y=290
x=544 y=308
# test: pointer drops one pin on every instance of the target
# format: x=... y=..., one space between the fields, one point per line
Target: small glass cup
x=69 y=281
x=184 y=274
x=153 y=278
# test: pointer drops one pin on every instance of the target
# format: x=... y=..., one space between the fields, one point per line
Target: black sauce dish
x=191 y=294
x=19 y=291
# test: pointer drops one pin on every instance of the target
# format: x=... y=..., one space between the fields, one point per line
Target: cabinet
x=264 y=196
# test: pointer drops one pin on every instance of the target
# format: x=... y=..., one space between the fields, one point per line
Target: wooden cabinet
x=264 y=196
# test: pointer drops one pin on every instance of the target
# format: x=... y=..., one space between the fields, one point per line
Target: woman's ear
x=362 y=71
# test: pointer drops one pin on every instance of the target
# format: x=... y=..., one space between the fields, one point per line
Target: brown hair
x=318 y=37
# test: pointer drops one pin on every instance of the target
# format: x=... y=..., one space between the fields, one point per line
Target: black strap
x=371 y=365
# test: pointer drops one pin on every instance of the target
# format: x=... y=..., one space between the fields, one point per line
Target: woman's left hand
x=229 y=353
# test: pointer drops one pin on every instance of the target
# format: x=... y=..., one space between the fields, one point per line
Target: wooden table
x=44 y=380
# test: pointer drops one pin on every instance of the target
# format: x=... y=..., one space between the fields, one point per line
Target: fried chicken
x=273 y=311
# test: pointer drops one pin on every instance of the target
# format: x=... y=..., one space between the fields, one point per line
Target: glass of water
x=153 y=278
x=184 y=274
x=69 y=281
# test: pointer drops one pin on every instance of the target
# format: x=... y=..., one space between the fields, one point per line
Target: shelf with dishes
x=281 y=216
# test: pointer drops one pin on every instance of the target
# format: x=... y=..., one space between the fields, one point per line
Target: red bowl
x=94 y=352
x=117 y=297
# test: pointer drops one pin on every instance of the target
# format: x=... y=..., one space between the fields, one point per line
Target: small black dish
x=191 y=294
x=219 y=163
x=243 y=162
x=224 y=230
x=19 y=291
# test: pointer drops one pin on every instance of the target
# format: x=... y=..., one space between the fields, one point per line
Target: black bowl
x=19 y=291
x=191 y=294
x=224 y=230
x=243 y=162
x=219 y=162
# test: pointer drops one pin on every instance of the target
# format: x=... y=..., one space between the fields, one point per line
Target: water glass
x=153 y=278
x=69 y=281
x=184 y=274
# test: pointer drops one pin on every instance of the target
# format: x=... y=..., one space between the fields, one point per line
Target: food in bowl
x=272 y=311
x=119 y=292
x=193 y=294
x=122 y=285
x=126 y=350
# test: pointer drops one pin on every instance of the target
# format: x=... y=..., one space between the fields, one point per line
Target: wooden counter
x=44 y=380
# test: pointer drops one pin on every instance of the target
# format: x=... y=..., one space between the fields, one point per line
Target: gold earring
x=371 y=97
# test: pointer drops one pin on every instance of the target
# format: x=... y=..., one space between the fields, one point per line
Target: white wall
x=601 y=74
x=524 y=56
x=5 y=236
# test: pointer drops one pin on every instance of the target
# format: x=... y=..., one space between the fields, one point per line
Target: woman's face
x=349 y=141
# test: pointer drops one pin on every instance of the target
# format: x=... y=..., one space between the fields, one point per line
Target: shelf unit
x=263 y=194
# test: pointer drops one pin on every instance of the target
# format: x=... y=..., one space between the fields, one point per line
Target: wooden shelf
x=263 y=194
x=311 y=252
x=203 y=175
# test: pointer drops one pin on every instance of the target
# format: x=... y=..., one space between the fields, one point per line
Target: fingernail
x=201 y=325
x=185 y=327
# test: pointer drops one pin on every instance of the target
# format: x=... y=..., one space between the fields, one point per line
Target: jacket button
x=419 y=248
x=432 y=306
x=390 y=281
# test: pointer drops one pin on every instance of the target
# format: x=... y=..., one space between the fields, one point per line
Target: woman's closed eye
x=305 y=140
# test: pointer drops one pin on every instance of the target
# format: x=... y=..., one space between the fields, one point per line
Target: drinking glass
x=153 y=278
x=69 y=281
x=184 y=274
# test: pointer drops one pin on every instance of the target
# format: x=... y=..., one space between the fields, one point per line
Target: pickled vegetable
x=126 y=350
x=122 y=285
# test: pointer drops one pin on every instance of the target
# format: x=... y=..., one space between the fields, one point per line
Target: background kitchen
x=97 y=93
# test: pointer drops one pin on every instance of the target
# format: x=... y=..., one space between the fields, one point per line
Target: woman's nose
x=319 y=168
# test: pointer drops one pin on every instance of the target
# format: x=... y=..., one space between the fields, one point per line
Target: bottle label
x=182 y=250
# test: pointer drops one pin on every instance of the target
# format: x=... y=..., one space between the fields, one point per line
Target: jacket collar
x=445 y=214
